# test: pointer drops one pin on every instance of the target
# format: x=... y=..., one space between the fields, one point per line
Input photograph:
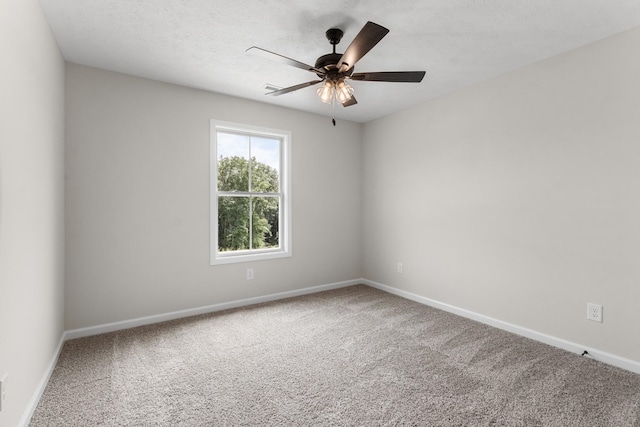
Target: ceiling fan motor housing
x=329 y=62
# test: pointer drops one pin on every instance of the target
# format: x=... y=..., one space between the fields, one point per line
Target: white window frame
x=285 y=190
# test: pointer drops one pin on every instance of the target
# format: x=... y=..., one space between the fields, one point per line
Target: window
x=250 y=193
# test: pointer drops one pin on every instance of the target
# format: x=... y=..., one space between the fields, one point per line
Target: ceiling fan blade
x=293 y=88
x=349 y=102
x=367 y=38
x=391 y=76
x=290 y=61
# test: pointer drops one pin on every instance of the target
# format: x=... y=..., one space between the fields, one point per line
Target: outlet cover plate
x=3 y=389
x=594 y=312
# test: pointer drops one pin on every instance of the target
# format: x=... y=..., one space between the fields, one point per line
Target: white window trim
x=285 y=249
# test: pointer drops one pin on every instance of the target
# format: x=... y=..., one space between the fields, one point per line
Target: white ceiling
x=202 y=44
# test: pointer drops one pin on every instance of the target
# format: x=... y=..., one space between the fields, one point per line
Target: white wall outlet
x=399 y=268
x=594 y=312
x=249 y=273
x=3 y=390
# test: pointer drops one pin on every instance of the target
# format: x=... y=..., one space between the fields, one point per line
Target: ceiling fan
x=334 y=69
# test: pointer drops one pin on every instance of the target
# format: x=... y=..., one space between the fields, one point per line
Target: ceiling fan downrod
x=334 y=35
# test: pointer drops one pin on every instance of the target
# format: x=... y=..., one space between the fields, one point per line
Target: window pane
x=233 y=223
x=265 y=171
x=233 y=162
x=266 y=221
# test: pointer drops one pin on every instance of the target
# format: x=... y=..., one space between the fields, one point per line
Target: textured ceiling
x=202 y=44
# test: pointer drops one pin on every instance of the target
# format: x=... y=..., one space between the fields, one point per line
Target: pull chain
x=333 y=111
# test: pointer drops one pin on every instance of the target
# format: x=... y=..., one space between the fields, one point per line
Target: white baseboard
x=604 y=357
x=126 y=324
x=608 y=358
x=611 y=359
x=37 y=394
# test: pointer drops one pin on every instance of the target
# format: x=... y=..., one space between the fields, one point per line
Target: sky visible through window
x=265 y=150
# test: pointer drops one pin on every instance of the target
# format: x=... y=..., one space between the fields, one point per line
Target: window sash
x=250 y=206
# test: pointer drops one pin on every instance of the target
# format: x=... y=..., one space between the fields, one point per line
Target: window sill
x=251 y=257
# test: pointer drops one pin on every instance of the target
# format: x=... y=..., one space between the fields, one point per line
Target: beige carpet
x=350 y=357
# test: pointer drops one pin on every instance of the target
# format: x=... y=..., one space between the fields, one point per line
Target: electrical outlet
x=399 y=268
x=249 y=273
x=3 y=390
x=594 y=312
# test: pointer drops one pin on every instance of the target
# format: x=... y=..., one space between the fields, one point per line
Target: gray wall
x=138 y=199
x=31 y=202
x=517 y=198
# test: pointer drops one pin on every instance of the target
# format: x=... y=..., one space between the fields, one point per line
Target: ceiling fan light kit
x=339 y=90
x=334 y=69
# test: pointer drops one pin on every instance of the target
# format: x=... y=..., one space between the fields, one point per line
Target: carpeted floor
x=350 y=357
